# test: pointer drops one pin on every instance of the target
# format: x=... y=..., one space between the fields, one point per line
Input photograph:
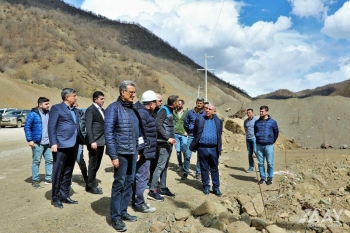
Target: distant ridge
x=334 y=89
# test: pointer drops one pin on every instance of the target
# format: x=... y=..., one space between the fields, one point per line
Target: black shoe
x=206 y=191
x=166 y=192
x=217 y=192
x=119 y=225
x=94 y=190
x=57 y=204
x=269 y=181
x=261 y=181
x=144 y=209
x=68 y=201
x=184 y=176
x=130 y=218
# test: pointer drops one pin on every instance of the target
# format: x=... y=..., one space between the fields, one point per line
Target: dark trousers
x=163 y=154
x=122 y=185
x=63 y=165
x=141 y=178
x=209 y=161
x=95 y=157
x=152 y=167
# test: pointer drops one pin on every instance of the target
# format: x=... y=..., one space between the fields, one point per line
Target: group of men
x=138 y=138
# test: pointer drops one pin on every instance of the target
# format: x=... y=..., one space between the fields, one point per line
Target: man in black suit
x=95 y=123
x=64 y=135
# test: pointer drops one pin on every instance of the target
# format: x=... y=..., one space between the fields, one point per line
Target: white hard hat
x=148 y=96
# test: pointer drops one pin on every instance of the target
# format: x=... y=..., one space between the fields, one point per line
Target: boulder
x=258 y=224
x=243 y=199
x=227 y=217
x=157 y=227
x=239 y=226
x=207 y=207
x=235 y=125
x=258 y=204
x=181 y=214
x=246 y=218
x=207 y=220
x=216 y=224
x=275 y=229
x=249 y=209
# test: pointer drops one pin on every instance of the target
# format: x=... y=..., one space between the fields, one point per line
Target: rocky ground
x=309 y=194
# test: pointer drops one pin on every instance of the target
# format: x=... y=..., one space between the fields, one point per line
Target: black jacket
x=149 y=126
x=94 y=126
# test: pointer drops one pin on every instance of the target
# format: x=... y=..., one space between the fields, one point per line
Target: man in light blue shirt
x=250 y=137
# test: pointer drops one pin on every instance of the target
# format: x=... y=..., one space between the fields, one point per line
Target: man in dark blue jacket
x=64 y=135
x=266 y=133
x=124 y=140
x=189 y=121
x=142 y=166
x=207 y=141
x=36 y=131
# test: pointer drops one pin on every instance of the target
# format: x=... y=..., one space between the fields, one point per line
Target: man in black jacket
x=207 y=141
x=95 y=123
x=142 y=166
x=165 y=142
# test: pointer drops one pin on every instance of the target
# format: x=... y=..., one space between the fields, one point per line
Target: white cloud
x=308 y=8
x=279 y=57
x=338 y=24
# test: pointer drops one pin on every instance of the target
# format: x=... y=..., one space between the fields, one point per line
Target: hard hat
x=148 y=96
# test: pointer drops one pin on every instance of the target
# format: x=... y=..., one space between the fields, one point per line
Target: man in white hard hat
x=145 y=108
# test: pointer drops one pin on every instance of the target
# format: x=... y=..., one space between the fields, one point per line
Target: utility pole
x=206 y=74
x=199 y=88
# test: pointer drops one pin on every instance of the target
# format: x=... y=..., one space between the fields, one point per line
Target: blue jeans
x=209 y=161
x=180 y=146
x=163 y=154
x=122 y=185
x=268 y=152
x=188 y=155
x=81 y=161
x=38 y=151
x=251 y=147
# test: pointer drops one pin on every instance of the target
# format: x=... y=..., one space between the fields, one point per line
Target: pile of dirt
x=234 y=137
x=310 y=122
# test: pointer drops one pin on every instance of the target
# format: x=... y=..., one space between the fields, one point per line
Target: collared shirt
x=100 y=110
x=71 y=109
x=44 y=132
x=209 y=135
x=249 y=126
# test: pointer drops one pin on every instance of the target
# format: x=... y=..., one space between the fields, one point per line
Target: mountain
x=47 y=42
x=334 y=89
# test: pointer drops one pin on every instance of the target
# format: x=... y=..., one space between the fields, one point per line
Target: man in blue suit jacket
x=64 y=131
x=207 y=141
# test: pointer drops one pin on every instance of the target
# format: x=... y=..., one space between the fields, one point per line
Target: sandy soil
x=25 y=209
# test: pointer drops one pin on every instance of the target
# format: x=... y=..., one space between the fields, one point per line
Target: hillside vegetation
x=334 y=89
x=52 y=43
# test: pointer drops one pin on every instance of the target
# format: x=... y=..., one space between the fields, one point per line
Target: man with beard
x=36 y=131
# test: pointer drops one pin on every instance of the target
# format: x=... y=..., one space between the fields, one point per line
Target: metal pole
x=256 y=172
x=206 y=77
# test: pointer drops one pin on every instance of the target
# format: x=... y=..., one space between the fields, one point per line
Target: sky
x=258 y=45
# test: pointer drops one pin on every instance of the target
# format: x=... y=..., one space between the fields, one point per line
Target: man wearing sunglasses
x=189 y=121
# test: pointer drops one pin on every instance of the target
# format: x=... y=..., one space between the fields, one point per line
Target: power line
x=242 y=23
x=256 y=33
x=215 y=25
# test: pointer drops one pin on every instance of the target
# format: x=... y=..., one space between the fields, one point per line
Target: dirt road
x=25 y=209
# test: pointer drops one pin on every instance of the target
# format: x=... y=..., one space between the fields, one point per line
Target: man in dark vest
x=165 y=142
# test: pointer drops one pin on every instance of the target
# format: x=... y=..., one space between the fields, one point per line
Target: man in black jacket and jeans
x=165 y=142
